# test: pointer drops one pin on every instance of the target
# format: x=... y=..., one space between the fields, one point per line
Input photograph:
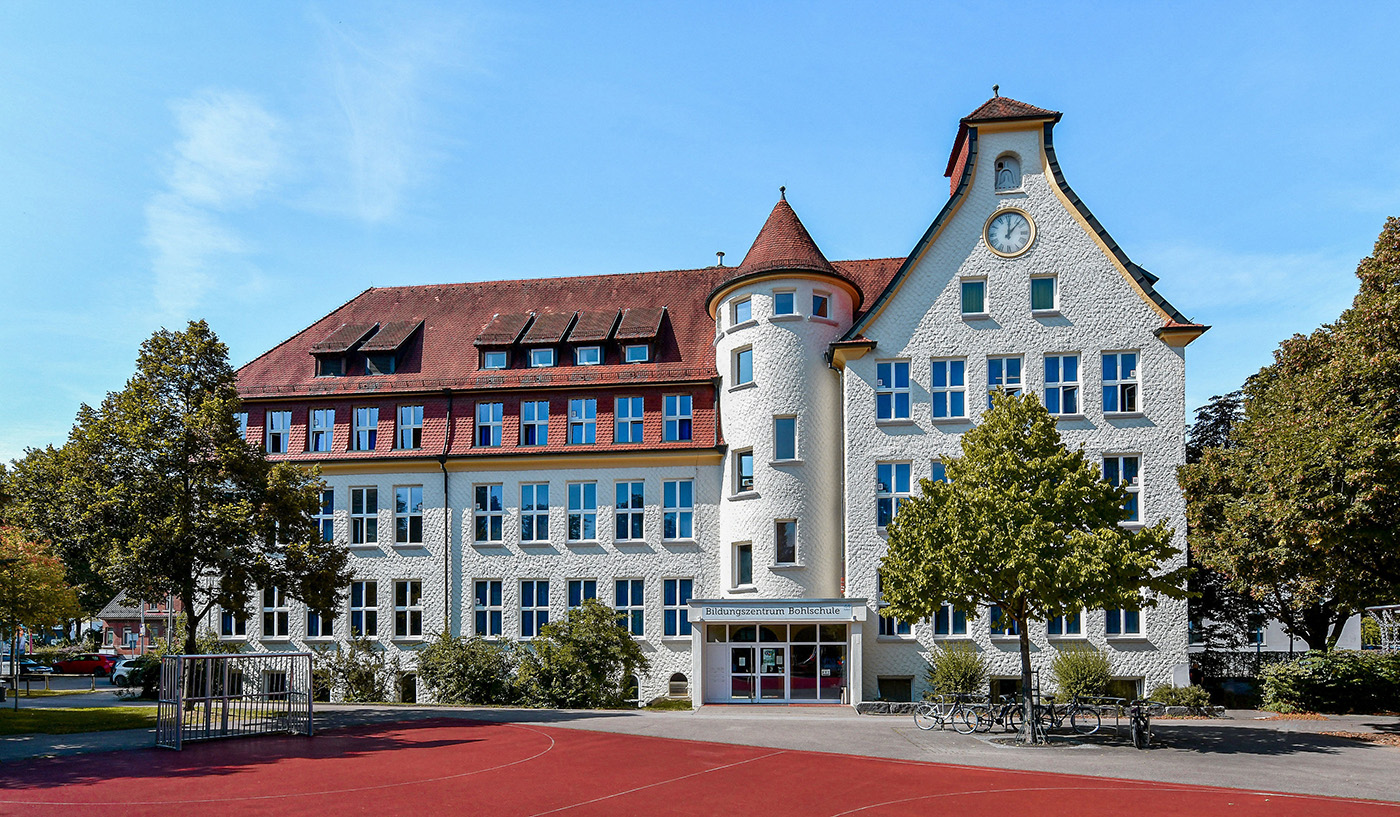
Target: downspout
x=446 y=523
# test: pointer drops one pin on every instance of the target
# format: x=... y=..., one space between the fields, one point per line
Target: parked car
x=121 y=673
x=91 y=663
x=27 y=666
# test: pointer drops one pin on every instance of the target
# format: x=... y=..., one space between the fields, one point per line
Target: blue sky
x=257 y=164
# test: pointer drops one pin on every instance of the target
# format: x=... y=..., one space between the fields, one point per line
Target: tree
x=581 y=661
x=1299 y=513
x=1028 y=526
x=159 y=492
x=33 y=591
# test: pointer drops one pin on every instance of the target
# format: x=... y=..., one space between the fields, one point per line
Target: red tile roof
x=344 y=338
x=1004 y=107
x=392 y=336
x=783 y=244
x=594 y=326
x=548 y=328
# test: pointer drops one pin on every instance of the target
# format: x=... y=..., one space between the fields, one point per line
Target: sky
x=258 y=164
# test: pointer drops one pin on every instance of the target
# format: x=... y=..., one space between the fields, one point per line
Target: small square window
x=380 y=364
x=743 y=471
x=1043 y=294
x=636 y=353
x=974 y=297
x=743 y=366
x=588 y=355
x=784 y=303
x=541 y=357
x=493 y=360
x=330 y=366
x=821 y=305
x=743 y=310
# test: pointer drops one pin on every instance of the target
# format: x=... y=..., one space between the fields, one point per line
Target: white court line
x=299 y=794
x=658 y=783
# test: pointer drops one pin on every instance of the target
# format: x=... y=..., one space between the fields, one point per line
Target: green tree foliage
x=1299 y=512
x=1027 y=525
x=33 y=590
x=469 y=670
x=1335 y=681
x=581 y=661
x=359 y=669
x=158 y=492
x=1080 y=670
x=957 y=668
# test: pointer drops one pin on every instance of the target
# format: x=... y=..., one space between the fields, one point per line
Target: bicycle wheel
x=1046 y=718
x=1139 y=733
x=1014 y=719
x=925 y=716
x=1085 y=720
x=965 y=720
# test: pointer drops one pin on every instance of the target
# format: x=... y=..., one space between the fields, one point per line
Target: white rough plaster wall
x=791 y=377
x=1100 y=311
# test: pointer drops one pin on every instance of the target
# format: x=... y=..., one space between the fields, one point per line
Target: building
x=131 y=629
x=714 y=452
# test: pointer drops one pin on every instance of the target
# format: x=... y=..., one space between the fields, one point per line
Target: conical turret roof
x=784 y=244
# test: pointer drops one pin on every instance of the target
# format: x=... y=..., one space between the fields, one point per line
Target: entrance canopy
x=776 y=610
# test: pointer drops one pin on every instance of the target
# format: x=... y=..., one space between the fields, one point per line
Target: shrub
x=581 y=661
x=1083 y=671
x=1336 y=681
x=358 y=668
x=1370 y=632
x=469 y=670
x=1193 y=696
x=48 y=655
x=957 y=669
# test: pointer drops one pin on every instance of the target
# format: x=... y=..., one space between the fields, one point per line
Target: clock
x=1009 y=233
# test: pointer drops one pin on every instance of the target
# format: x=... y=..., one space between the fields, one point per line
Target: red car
x=87 y=664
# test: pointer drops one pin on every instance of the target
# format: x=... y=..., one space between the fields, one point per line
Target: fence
x=203 y=697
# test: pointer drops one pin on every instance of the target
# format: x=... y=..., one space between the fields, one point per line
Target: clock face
x=1009 y=233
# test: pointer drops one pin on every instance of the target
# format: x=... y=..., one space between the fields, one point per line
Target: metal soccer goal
x=203 y=697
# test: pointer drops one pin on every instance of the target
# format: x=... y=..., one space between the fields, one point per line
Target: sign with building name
x=759 y=611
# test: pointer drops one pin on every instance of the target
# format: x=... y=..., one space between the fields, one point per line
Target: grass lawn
x=52 y=693
x=67 y=721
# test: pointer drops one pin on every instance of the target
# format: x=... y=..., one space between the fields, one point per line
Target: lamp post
x=14 y=659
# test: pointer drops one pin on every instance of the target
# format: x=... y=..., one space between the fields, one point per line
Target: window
x=489 y=418
x=821 y=305
x=974 y=296
x=675 y=605
x=1120 y=382
x=1002 y=624
x=1122 y=622
x=948 y=388
x=319 y=625
x=583 y=421
x=490 y=513
x=581 y=590
x=949 y=622
x=408 y=609
x=1008 y=173
x=743 y=471
x=743 y=311
x=364 y=609
x=541 y=357
x=381 y=364
x=242 y=418
x=743 y=564
x=279 y=424
x=534 y=606
x=276 y=613
x=889 y=625
x=1066 y=625
x=325 y=517
x=322 y=429
x=892 y=390
x=1062 y=384
x=1003 y=373
x=891 y=490
x=677 y=498
x=493 y=360
x=330 y=366
x=636 y=353
x=583 y=511
x=784 y=438
x=588 y=356
x=743 y=366
x=785 y=541
x=366 y=429
x=231 y=625
x=1043 y=291
x=784 y=303
x=628 y=600
x=677 y=418
x=534 y=512
x=410 y=427
x=628 y=420
x=534 y=422
x=488 y=608
x=938 y=472
x=629 y=511
x=408 y=515
x=364 y=516
x=1122 y=471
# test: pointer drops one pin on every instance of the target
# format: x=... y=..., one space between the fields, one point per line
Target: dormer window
x=541 y=357
x=380 y=364
x=493 y=360
x=636 y=353
x=330 y=366
x=588 y=356
x=1008 y=173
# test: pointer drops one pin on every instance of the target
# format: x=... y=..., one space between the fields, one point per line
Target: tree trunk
x=187 y=602
x=1028 y=725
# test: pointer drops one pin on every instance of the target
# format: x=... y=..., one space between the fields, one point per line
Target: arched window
x=1008 y=175
x=679 y=686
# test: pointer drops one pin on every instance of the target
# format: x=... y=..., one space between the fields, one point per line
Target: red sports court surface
x=468 y=767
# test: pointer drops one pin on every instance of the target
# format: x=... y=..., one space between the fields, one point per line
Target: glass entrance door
x=741 y=673
x=772 y=673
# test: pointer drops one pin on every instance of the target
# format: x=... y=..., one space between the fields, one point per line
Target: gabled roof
x=392 y=336
x=1000 y=108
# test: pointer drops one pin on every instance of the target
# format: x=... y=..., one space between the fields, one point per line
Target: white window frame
x=367 y=611
x=534 y=614
x=1063 y=622
x=325 y=515
x=1121 y=616
x=488 y=512
x=1114 y=476
x=542 y=358
x=743 y=484
x=534 y=422
x=490 y=422
x=409 y=428
x=495 y=360
x=583 y=512
x=408 y=514
x=534 y=511
x=1061 y=392
x=1054 y=306
x=950 y=394
x=678 y=510
x=678 y=416
x=279 y=431
x=242 y=418
x=629 y=510
x=963 y=284
x=1002 y=364
x=488 y=608
x=322 y=424
x=230 y=626
x=636 y=353
x=1010 y=630
x=676 y=594
x=364 y=524
x=278 y=612
x=409 y=605
x=889 y=374
x=890 y=491
x=1125 y=392
x=791 y=295
x=780 y=438
x=737 y=551
x=947 y=618
x=628 y=414
x=365 y=433
x=319 y=625
x=582 y=589
x=583 y=421
x=821 y=305
x=738 y=368
x=631 y=603
x=889 y=626
x=583 y=353
x=741 y=311
x=791 y=525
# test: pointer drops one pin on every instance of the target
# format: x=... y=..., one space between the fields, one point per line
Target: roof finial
x=996 y=90
x=782 y=192
x=720 y=255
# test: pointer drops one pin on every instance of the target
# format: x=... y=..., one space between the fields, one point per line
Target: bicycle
x=940 y=713
x=1008 y=714
x=1140 y=721
x=1083 y=717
